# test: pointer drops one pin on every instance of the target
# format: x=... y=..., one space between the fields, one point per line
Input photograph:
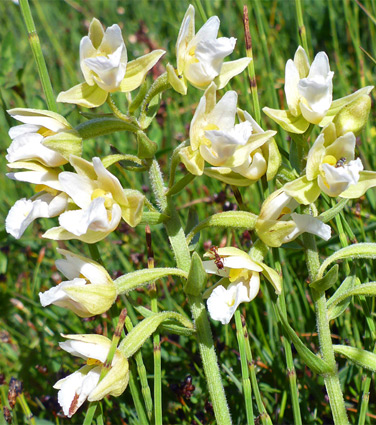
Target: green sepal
x=287 y=120
x=102 y=126
x=360 y=357
x=359 y=250
x=335 y=307
x=130 y=281
x=146 y=147
x=197 y=277
x=84 y=95
x=152 y=218
x=227 y=219
x=302 y=190
x=309 y=358
x=226 y=175
x=66 y=143
x=326 y=282
x=140 y=333
x=367 y=179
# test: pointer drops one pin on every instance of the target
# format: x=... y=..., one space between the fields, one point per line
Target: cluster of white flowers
x=90 y=201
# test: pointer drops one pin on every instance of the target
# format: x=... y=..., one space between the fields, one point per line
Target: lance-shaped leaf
x=336 y=308
x=358 y=356
x=366 y=289
x=197 y=277
x=133 y=280
x=105 y=125
x=140 y=333
x=228 y=219
x=109 y=160
x=180 y=185
x=326 y=282
x=169 y=326
x=310 y=359
x=332 y=212
x=359 y=250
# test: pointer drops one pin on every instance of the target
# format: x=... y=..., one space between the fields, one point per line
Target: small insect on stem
x=341 y=162
x=217 y=258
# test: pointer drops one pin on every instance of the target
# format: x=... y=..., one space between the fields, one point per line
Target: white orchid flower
x=40 y=127
x=89 y=290
x=104 y=64
x=242 y=275
x=308 y=88
x=49 y=201
x=84 y=383
x=101 y=202
x=278 y=224
x=217 y=139
x=200 y=56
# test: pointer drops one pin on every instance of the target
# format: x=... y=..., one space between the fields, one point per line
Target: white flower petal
x=223 y=114
x=305 y=223
x=291 y=87
x=47 y=178
x=20 y=130
x=78 y=187
x=86 y=350
x=337 y=179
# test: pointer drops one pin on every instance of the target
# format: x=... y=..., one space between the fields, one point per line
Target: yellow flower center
x=237 y=273
x=42 y=187
x=92 y=362
x=231 y=303
x=45 y=132
x=100 y=193
x=330 y=159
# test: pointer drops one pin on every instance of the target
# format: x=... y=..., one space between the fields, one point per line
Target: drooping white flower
x=25 y=211
x=84 y=383
x=89 y=290
x=101 y=202
x=104 y=64
x=242 y=275
x=39 y=126
x=278 y=224
x=200 y=56
x=308 y=88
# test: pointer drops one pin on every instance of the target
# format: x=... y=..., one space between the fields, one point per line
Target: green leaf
x=365 y=289
x=228 y=219
x=336 y=308
x=326 y=282
x=140 y=333
x=151 y=109
x=133 y=280
x=332 y=212
x=310 y=359
x=104 y=125
x=358 y=356
x=192 y=221
x=197 y=277
x=359 y=250
x=109 y=160
x=180 y=185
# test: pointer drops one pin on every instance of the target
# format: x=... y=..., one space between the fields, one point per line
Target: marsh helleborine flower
x=101 y=203
x=200 y=56
x=240 y=281
x=84 y=383
x=104 y=64
x=89 y=290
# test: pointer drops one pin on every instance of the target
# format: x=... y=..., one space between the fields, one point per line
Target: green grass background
x=29 y=334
